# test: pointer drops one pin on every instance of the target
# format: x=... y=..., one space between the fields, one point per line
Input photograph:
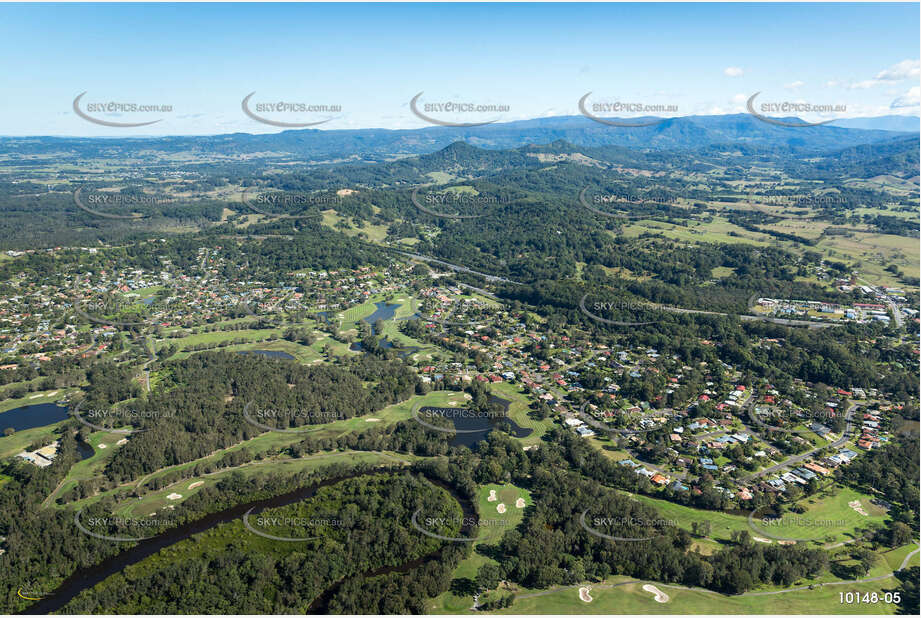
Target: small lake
x=269 y=353
x=86 y=451
x=384 y=311
x=29 y=417
x=484 y=424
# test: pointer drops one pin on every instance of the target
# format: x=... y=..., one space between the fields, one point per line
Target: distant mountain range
x=317 y=146
x=907 y=124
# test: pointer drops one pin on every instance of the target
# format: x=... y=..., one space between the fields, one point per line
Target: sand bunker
x=372 y=420
x=661 y=597
x=122 y=441
x=103 y=446
x=492 y=496
x=174 y=496
x=584 y=594
x=855 y=504
x=501 y=508
x=196 y=484
x=519 y=503
x=761 y=539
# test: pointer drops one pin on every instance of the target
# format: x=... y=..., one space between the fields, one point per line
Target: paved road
x=896 y=314
x=798 y=458
x=751 y=318
x=456 y=268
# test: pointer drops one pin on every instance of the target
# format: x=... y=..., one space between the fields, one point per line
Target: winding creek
x=84 y=579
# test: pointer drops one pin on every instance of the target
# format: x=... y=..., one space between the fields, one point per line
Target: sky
x=525 y=61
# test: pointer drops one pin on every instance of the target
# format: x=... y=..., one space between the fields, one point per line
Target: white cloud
x=832 y=84
x=912 y=98
x=794 y=85
x=740 y=98
x=733 y=71
x=906 y=69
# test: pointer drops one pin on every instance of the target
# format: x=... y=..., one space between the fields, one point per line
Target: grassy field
x=875 y=252
x=719 y=230
x=158 y=500
x=19 y=441
x=632 y=599
x=221 y=336
x=893 y=558
x=828 y=518
x=518 y=411
x=302 y=353
x=722 y=525
x=273 y=440
x=493 y=526
x=104 y=446
x=373 y=233
x=32 y=399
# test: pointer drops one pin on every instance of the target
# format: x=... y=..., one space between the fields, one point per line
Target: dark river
x=86 y=578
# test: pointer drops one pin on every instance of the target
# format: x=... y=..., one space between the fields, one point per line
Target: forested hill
x=312 y=145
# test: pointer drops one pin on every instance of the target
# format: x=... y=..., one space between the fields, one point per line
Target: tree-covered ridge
x=204 y=401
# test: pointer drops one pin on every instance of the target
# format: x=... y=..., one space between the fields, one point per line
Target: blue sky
x=537 y=59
